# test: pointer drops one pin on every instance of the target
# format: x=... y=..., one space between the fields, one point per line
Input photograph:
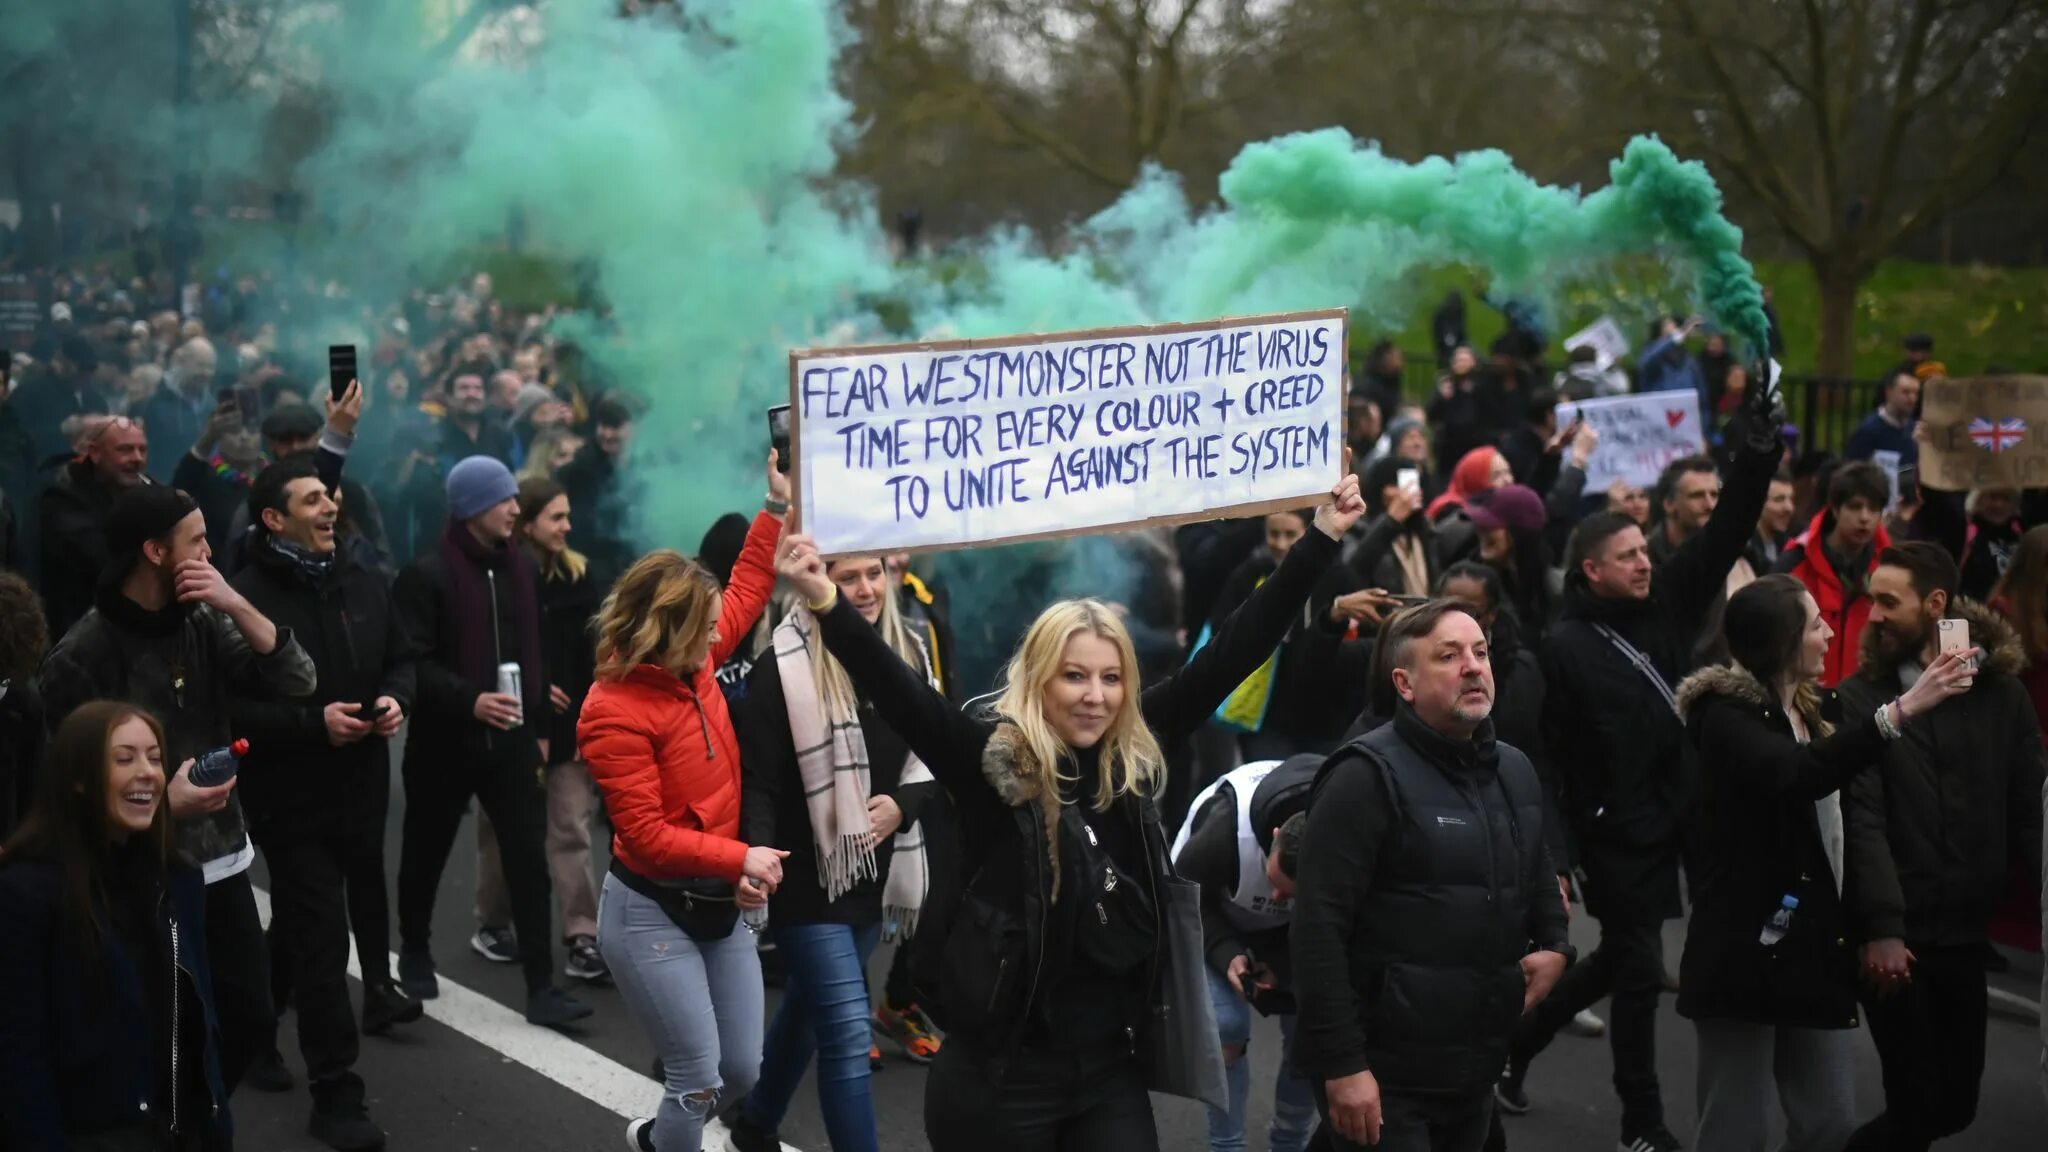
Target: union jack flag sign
x=1997 y=435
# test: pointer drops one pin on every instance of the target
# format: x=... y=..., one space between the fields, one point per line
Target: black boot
x=385 y=1005
x=339 y=1119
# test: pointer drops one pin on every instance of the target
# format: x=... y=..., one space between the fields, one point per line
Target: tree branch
x=1766 y=173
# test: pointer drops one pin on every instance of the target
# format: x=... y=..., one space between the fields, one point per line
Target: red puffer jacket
x=662 y=748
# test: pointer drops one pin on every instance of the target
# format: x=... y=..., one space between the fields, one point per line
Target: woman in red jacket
x=660 y=745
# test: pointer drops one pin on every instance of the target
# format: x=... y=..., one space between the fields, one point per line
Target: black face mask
x=1118 y=925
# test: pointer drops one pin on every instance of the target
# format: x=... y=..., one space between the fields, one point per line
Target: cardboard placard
x=1606 y=339
x=1639 y=435
x=1984 y=432
x=949 y=444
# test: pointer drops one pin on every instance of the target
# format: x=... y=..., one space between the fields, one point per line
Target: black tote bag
x=1182 y=1055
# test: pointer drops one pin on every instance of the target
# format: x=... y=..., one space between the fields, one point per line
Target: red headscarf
x=1472 y=476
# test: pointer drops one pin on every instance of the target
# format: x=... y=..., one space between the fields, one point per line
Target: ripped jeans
x=701 y=1004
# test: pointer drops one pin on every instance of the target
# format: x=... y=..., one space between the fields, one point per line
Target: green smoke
x=685 y=159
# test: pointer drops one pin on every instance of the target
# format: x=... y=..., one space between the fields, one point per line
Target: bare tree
x=1850 y=125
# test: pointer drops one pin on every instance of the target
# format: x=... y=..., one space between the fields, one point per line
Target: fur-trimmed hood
x=2003 y=650
x=1718 y=680
x=1019 y=780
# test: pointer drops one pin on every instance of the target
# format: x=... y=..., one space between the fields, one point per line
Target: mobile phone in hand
x=341 y=368
x=778 y=437
x=249 y=402
x=375 y=713
x=1909 y=484
x=1953 y=635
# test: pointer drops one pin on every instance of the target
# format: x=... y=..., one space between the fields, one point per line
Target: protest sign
x=21 y=310
x=1604 y=336
x=1985 y=432
x=1639 y=435
x=963 y=442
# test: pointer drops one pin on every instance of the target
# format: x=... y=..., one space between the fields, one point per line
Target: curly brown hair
x=24 y=637
x=658 y=613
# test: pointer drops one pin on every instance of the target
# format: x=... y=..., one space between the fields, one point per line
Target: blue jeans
x=824 y=1011
x=1294 y=1103
x=701 y=1004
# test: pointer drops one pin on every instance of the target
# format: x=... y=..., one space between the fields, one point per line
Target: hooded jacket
x=74 y=541
x=1759 y=840
x=662 y=749
x=1929 y=833
x=182 y=664
x=1844 y=608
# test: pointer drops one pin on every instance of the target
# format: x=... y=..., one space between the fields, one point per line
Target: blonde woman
x=831 y=782
x=1041 y=1001
x=660 y=744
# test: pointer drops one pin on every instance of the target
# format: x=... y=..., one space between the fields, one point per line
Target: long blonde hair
x=1130 y=757
x=835 y=689
x=658 y=613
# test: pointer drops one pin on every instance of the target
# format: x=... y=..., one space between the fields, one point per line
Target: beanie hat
x=478 y=484
x=1509 y=506
x=530 y=396
x=140 y=514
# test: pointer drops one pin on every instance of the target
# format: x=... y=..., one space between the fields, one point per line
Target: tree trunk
x=1838 y=280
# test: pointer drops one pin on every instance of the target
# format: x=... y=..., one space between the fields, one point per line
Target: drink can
x=508 y=685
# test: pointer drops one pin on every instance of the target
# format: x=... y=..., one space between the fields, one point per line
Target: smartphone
x=249 y=401
x=341 y=368
x=1954 y=636
x=778 y=437
x=1409 y=480
x=1909 y=485
x=1408 y=601
x=1271 y=1001
x=376 y=712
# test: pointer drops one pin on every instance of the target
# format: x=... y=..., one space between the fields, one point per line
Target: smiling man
x=317 y=779
x=1426 y=922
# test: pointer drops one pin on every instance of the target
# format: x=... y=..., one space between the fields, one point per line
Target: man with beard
x=114 y=458
x=1838 y=552
x=1425 y=920
x=168 y=633
x=466 y=431
x=1610 y=726
x=1928 y=840
x=316 y=784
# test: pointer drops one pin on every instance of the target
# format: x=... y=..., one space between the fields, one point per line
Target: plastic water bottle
x=756 y=919
x=218 y=766
x=1781 y=922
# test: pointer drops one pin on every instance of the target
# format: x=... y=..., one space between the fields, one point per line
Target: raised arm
x=1762 y=763
x=1694 y=576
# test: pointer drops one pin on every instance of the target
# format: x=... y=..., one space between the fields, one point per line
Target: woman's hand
x=1366 y=606
x=1583 y=442
x=884 y=817
x=750 y=895
x=799 y=564
x=1949 y=675
x=763 y=865
x=1345 y=506
x=1404 y=505
x=778 y=480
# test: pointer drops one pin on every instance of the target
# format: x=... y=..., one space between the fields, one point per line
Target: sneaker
x=268 y=1073
x=746 y=1137
x=1507 y=1091
x=1656 y=1138
x=1586 y=1024
x=911 y=1030
x=498 y=945
x=387 y=1004
x=416 y=975
x=550 y=1007
x=585 y=962
x=345 y=1125
x=874 y=1057
x=640 y=1135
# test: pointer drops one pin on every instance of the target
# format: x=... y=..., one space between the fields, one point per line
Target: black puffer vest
x=1441 y=938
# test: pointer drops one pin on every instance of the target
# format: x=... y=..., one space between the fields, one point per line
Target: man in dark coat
x=1609 y=667
x=74 y=515
x=1426 y=919
x=316 y=782
x=1929 y=836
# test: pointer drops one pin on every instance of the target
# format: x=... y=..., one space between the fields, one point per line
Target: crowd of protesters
x=1391 y=742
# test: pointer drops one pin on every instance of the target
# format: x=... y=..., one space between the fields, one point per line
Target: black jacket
x=22 y=736
x=1617 y=743
x=1319 y=676
x=1930 y=832
x=1373 y=559
x=1210 y=858
x=1759 y=840
x=74 y=538
x=343 y=620
x=568 y=637
x=1423 y=883
x=999 y=965
x=773 y=809
x=182 y=664
x=601 y=495
x=444 y=727
x=221 y=500
x=78 y=1055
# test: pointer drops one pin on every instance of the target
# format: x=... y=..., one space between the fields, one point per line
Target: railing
x=1827 y=408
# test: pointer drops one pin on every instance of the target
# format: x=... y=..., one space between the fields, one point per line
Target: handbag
x=1117 y=930
x=704 y=908
x=1182 y=1057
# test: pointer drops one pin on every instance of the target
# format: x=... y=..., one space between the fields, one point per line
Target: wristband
x=1887 y=725
x=776 y=507
x=825 y=605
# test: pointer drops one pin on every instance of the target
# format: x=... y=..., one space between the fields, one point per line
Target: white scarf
x=832 y=760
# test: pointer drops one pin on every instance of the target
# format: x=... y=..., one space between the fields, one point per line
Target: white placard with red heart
x=1639 y=435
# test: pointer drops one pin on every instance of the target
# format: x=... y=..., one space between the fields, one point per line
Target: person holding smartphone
x=316 y=782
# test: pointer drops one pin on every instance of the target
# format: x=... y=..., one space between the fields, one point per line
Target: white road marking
x=584 y=1071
